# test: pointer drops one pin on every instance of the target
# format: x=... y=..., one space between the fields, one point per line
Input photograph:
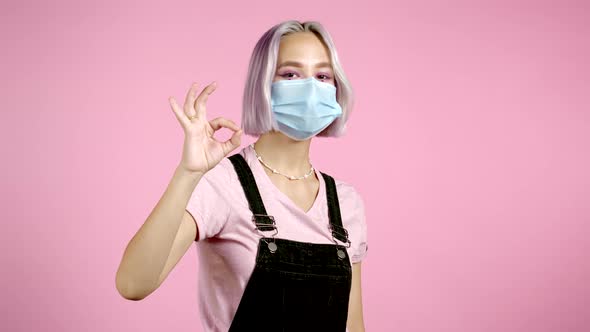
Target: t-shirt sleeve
x=352 y=209
x=208 y=204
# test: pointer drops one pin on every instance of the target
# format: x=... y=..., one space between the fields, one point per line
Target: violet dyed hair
x=256 y=107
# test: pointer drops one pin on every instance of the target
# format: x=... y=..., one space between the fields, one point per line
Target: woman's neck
x=283 y=153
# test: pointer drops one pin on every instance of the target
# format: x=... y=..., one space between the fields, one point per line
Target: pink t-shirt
x=228 y=239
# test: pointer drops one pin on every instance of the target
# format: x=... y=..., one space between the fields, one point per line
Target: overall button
x=272 y=247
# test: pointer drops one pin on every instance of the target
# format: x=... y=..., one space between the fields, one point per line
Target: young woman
x=279 y=243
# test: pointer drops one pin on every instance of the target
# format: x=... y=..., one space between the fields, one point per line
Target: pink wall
x=469 y=143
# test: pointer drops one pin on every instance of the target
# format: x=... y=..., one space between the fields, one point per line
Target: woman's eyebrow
x=299 y=64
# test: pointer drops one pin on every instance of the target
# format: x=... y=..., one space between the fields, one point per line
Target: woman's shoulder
x=346 y=188
x=352 y=210
x=220 y=174
x=223 y=173
x=348 y=194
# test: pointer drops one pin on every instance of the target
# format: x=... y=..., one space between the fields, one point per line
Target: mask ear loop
x=272 y=246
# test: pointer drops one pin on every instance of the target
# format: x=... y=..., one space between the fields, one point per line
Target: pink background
x=469 y=143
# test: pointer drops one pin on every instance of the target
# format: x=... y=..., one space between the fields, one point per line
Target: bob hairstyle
x=256 y=106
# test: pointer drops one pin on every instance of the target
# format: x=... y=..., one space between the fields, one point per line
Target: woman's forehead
x=304 y=48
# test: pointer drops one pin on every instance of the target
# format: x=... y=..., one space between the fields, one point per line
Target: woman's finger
x=219 y=122
x=189 y=101
x=177 y=112
x=201 y=101
x=233 y=142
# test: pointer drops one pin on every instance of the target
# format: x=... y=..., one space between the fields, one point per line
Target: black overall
x=295 y=286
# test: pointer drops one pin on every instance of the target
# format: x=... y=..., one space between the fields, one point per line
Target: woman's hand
x=201 y=152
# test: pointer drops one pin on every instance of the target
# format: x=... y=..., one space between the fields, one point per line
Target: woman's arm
x=355 y=321
x=158 y=244
x=168 y=231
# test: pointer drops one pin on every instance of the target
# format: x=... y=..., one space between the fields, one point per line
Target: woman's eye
x=326 y=77
x=287 y=75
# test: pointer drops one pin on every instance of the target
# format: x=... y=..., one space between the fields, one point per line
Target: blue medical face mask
x=303 y=108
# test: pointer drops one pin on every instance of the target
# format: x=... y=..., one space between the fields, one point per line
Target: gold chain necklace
x=290 y=177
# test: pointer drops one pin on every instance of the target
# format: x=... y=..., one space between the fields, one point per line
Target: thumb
x=233 y=142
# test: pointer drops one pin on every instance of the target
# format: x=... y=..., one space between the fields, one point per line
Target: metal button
x=272 y=247
x=341 y=254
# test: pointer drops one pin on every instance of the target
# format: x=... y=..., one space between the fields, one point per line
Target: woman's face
x=302 y=55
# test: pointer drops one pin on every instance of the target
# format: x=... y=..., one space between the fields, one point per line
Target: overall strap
x=338 y=231
x=263 y=221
